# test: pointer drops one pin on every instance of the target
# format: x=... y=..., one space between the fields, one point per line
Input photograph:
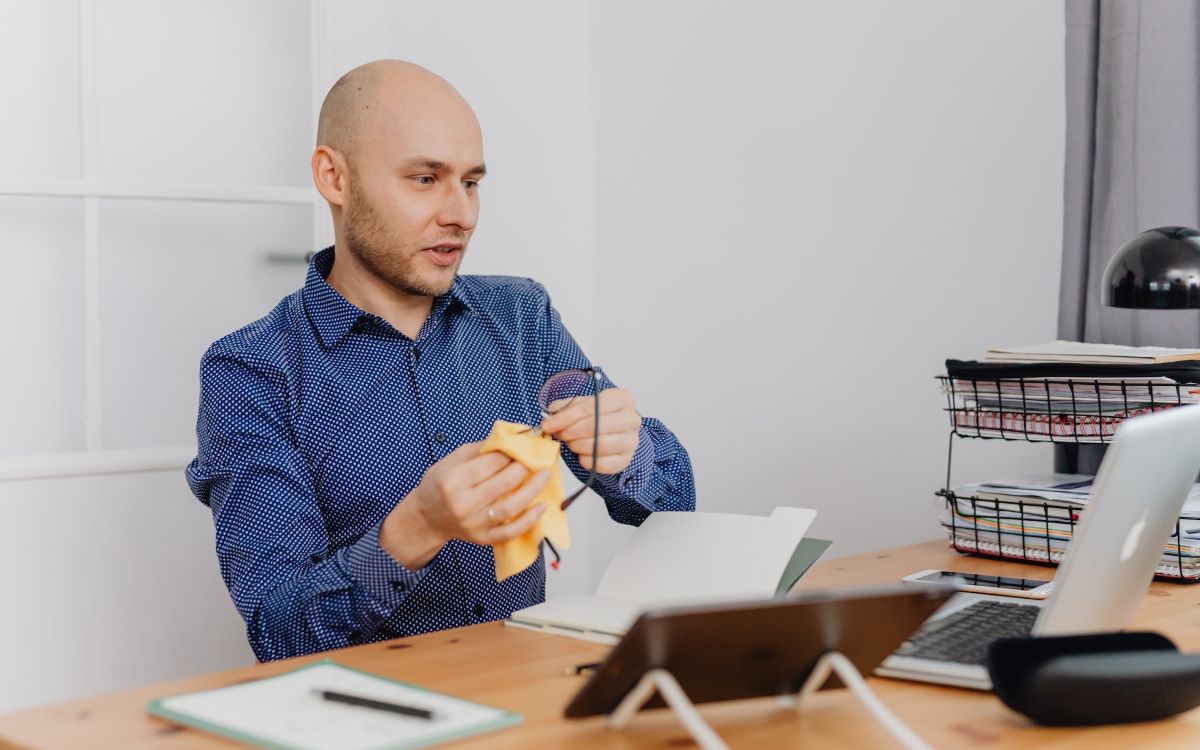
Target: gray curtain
x=1132 y=162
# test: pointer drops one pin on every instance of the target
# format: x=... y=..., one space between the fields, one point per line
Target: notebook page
x=284 y=711
x=677 y=557
x=582 y=612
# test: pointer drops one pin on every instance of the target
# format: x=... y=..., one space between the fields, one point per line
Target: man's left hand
x=575 y=425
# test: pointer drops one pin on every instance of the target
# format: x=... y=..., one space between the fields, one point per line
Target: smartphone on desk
x=979 y=583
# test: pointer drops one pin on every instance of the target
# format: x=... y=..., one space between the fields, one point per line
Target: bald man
x=339 y=436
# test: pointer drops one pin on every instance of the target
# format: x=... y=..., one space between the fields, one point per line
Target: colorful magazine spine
x=1047 y=425
x=1164 y=569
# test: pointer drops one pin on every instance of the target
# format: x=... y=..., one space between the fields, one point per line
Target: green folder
x=807 y=552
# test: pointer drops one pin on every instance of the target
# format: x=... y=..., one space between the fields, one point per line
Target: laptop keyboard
x=964 y=636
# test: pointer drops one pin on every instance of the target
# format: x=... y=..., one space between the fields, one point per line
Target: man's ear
x=329 y=171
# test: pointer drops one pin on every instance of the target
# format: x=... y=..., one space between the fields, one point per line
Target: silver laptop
x=1135 y=503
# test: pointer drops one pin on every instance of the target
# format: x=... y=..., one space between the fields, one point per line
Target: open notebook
x=685 y=558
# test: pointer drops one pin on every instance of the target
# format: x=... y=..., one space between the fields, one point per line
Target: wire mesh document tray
x=1039 y=532
x=1058 y=410
x=1072 y=408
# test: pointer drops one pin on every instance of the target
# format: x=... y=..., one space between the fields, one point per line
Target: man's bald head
x=378 y=89
x=399 y=157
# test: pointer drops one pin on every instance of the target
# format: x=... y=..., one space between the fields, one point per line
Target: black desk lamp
x=1157 y=270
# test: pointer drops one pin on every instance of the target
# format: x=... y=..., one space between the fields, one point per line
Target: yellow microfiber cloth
x=535 y=452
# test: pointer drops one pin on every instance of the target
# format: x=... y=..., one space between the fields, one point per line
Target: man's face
x=412 y=196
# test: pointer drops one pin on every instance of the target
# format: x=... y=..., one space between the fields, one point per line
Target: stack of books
x=1034 y=518
x=1066 y=391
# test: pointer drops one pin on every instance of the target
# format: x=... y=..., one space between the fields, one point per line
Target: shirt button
x=415 y=354
x=440 y=437
x=479 y=610
x=400 y=586
x=628 y=482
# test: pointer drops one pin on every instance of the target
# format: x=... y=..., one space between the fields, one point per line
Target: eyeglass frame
x=595 y=374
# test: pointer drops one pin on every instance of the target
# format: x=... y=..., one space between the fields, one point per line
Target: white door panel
x=176 y=277
x=42 y=378
x=39 y=49
x=204 y=93
x=110 y=579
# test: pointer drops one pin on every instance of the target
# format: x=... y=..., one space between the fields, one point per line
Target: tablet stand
x=664 y=683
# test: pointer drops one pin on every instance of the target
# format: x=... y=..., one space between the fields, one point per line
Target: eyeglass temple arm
x=591 y=371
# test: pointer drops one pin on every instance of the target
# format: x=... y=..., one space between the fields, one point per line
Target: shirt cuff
x=639 y=481
x=370 y=566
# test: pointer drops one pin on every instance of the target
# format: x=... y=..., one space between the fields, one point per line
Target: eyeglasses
x=558 y=392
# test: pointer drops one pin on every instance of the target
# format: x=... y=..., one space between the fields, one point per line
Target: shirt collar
x=333 y=316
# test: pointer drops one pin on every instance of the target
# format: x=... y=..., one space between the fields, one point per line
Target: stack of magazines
x=1033 y=518
x=1067 y=391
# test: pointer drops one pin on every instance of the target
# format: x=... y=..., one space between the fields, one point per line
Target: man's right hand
x=453 y=501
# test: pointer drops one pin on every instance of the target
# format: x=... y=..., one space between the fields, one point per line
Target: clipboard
x=284 y=712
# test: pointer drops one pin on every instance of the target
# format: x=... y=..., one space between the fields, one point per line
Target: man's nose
x=459 y=208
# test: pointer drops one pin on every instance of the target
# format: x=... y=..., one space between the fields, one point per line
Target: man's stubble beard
x=367 y=241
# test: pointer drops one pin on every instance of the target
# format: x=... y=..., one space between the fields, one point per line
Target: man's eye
x=470 y=184
x=425 y=179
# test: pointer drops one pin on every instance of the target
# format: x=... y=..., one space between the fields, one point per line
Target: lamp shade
x=1157 y=270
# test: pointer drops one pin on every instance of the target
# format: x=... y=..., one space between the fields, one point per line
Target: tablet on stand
x=779 y=647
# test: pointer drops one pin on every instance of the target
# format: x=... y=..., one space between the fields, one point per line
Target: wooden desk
x=523 y=672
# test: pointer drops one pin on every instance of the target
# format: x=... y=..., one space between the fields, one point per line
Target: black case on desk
x=1107 y=678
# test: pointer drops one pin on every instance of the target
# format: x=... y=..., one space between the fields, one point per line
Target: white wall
x=802 y=210
x=694 y=183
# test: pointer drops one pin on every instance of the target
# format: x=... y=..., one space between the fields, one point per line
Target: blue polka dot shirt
x=316 y=420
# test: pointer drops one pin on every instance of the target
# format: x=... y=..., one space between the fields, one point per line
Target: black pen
x=354 y=700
